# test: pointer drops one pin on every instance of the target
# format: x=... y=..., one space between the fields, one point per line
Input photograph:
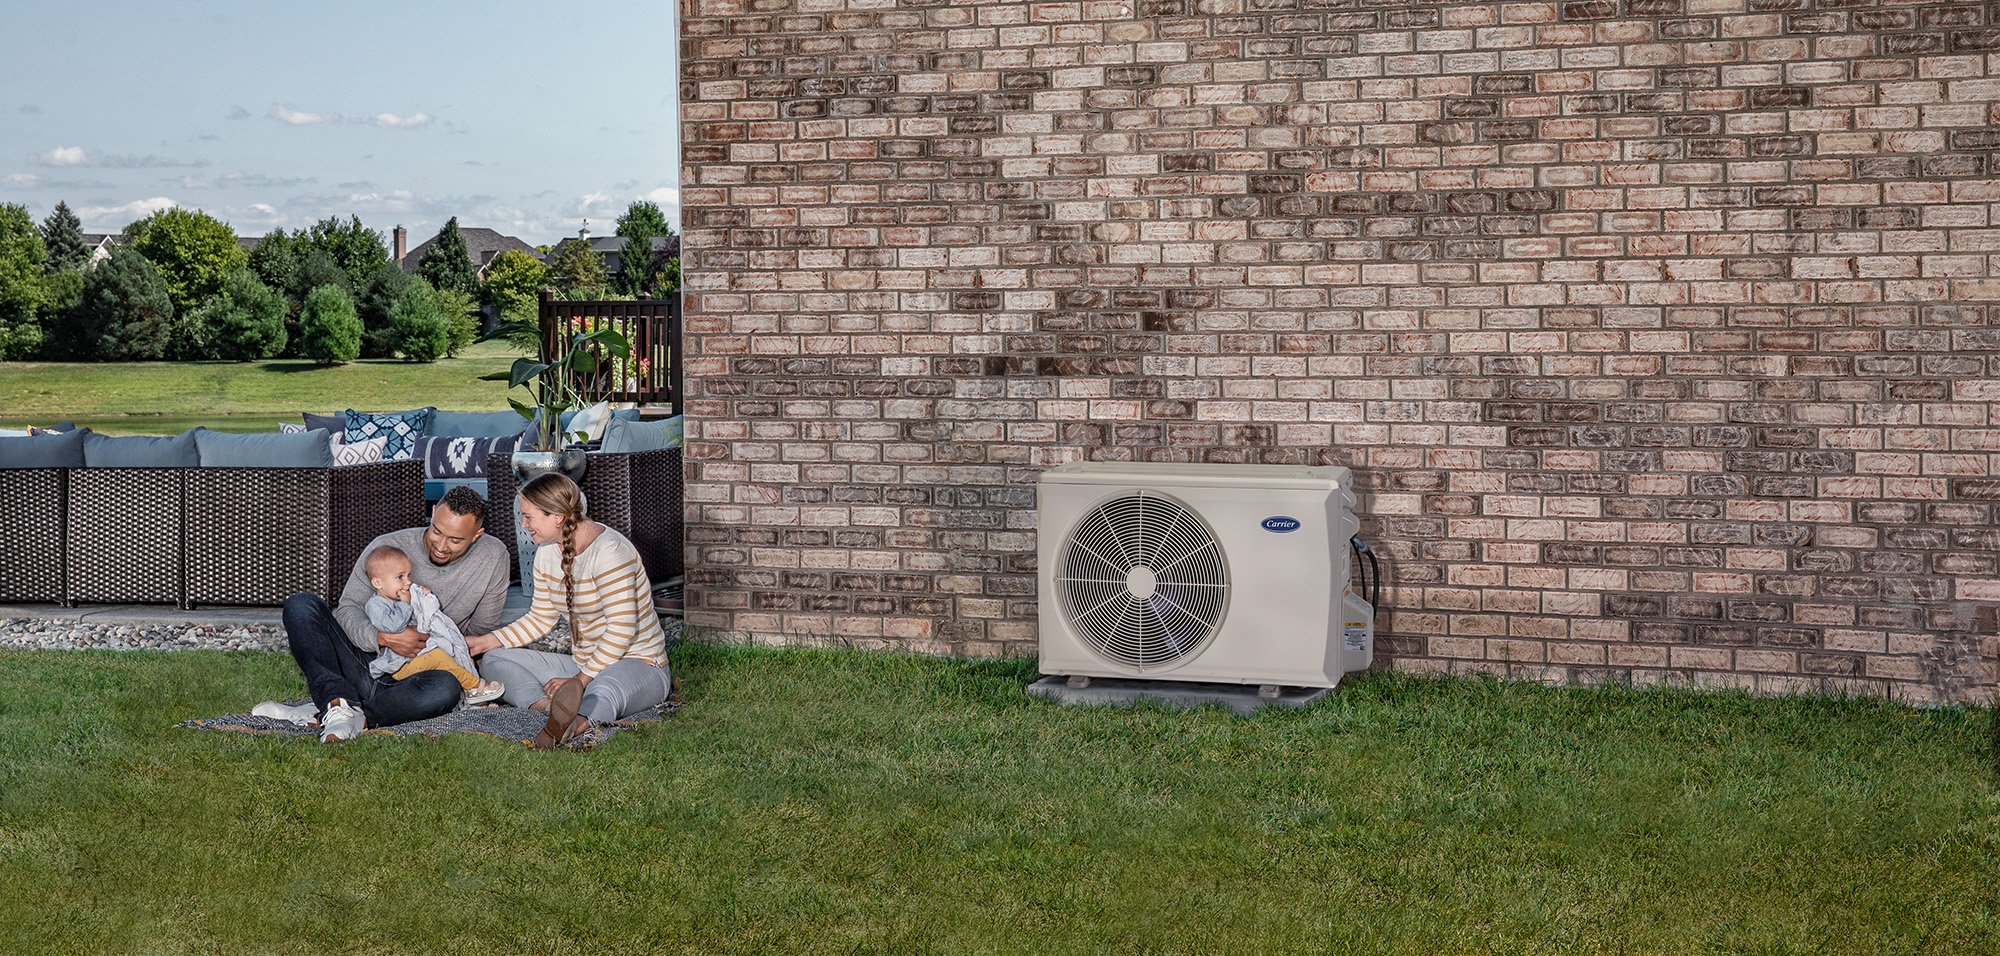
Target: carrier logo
x=1280 y=524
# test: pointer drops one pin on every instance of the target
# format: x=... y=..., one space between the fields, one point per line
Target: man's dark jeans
x=334 y=667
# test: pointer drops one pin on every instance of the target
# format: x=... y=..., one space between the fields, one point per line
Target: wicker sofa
x=193 y=536
x=636 y=493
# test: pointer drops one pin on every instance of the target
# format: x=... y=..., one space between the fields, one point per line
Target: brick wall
x=1663 y=335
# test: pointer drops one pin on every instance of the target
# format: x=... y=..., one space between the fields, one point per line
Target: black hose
x=1373 y=573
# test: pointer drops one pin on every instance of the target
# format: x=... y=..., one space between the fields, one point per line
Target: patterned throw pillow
x=401 y=428
x=292 y=428
x=447 y=457
x=366 y=452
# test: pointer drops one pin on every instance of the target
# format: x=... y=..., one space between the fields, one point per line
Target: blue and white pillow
x=447 y=456
x=401 y=428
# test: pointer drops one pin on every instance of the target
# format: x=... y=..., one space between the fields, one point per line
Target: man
x=464 y=568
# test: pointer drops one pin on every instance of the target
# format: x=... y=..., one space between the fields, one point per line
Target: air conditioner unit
x=1234 y=574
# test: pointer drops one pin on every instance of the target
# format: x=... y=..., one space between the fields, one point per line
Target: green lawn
x=840 y=802
x=165 y=398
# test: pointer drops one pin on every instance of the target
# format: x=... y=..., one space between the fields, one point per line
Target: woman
x=590 y=573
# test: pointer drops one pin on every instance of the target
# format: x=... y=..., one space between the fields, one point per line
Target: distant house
x=99 y=244
x=481 y=244
x=612 y=248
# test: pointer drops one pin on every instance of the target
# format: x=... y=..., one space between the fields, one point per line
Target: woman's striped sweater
x=614 y=605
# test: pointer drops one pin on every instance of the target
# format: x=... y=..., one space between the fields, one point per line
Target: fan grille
x=1142 y=581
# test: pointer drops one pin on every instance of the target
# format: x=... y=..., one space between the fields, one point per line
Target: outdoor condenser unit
x=1223 y=573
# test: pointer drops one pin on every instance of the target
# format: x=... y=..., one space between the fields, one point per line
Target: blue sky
x=522 y=117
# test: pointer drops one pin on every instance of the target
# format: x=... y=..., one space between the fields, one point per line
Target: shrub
x=423 y=333
x=329 y=330
x=247 y=320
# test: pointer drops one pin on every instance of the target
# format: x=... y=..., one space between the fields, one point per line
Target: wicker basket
x=31 y=539
x=259 y=535
x=636 y=493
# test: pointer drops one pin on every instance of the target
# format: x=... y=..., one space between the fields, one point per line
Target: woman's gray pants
x=626 y=687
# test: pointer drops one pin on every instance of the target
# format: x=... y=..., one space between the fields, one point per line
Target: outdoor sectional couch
x=637 y=493
x=191 y=534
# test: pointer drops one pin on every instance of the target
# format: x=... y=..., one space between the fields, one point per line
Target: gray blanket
x=509 y=723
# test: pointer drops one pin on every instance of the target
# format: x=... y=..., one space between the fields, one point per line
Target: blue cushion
x=141 y=451
x=44 y=451
x=476 y=424
x=263 y=450
x=330 y=423
x=402 y=428
x=622 y=435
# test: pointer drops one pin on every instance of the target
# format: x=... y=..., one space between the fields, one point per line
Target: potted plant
x=557 y=383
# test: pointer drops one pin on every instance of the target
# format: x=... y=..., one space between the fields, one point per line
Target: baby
x=398 y=604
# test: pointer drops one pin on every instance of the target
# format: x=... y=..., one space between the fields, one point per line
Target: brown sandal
x=564 y=702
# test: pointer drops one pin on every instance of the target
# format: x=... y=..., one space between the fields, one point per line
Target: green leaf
x=527 y=411
x=524 y=370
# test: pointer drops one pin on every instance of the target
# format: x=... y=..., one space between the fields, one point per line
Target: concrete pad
x=1187 y=695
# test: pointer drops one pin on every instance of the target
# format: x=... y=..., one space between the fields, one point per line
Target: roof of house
x=481 y=244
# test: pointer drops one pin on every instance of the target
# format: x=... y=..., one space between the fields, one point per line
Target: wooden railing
x=653 y=326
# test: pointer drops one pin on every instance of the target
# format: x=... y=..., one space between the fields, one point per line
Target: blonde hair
x=553 y=493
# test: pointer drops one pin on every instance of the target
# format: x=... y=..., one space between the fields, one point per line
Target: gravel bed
x=36 y=633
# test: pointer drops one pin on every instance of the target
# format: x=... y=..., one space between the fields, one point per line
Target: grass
x=838 y=802
x=165 y=398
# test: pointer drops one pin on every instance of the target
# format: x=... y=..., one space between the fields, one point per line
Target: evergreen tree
x=62 y=236
x=123 y=314
x=639 y=262
x=330 y=331
x=373 y=304
x=423 y=332
x=246 y=320
x=447 y=264
x=318 y=269
x=463 y=313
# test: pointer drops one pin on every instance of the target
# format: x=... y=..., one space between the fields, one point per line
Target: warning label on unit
x=1357 y=636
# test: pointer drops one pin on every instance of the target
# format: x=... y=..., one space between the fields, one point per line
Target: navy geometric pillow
x=448 y=457
x=401 y=428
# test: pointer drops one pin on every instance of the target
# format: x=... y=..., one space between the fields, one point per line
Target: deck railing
x=652 y=377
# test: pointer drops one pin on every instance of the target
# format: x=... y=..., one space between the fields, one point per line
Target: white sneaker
x=305 y=713
x=487 y=690
x=343 y=721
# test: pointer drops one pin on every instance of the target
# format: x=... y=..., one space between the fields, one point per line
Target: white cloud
x=113 y=218
x=33 y=181
x=22 y=181
x=665 y=196
x=285 y=114
x=413 y=121
x=60 y=156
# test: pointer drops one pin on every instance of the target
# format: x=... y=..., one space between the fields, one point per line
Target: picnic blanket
x=509 y=723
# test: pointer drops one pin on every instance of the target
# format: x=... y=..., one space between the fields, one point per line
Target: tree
x=423 y=332
x=639 y=263
x=644 y=218
x=318 y=269
x=276 y=261
x=514 y=283
x=193 y=252
x=357 y=249
x=446 y=264
x=62 y=237
x=123 y=313
x=463 y=312
x=374 y=303
x=330 y=332
x=578 y=271
x=23 y=290
x=247 y=319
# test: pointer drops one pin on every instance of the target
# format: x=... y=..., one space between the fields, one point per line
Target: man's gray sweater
x=472 y=590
